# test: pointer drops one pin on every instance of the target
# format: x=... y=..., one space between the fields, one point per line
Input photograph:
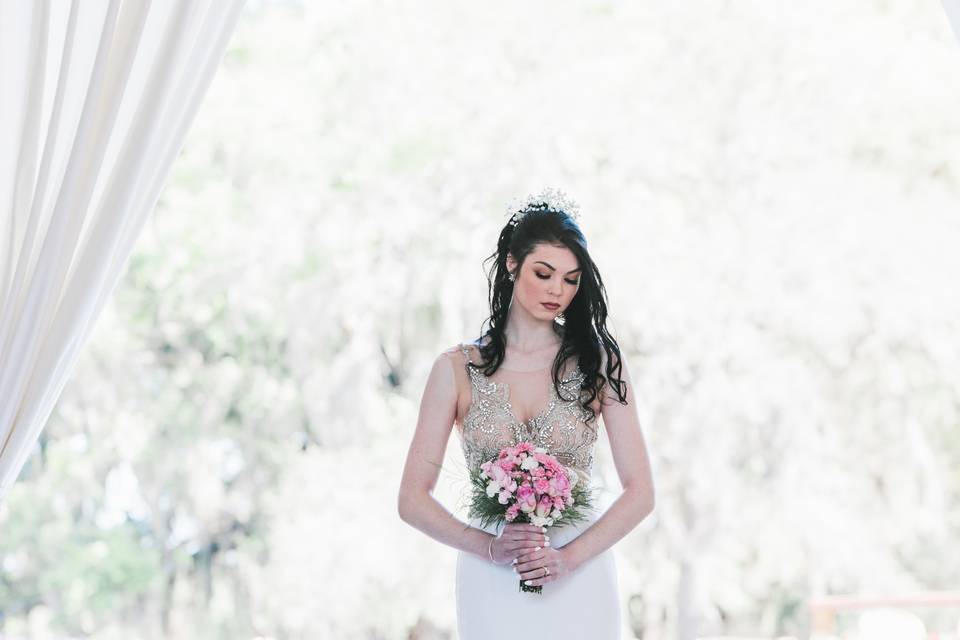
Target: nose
x=554 y=287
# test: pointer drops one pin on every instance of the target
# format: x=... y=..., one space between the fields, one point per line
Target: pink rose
x=526 y=498
x=544 y=507
x=499 y=475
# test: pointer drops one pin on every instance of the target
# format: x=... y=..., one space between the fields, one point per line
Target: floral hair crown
x=547 y=200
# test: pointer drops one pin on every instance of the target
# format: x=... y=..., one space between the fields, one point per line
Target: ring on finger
x=547 y=570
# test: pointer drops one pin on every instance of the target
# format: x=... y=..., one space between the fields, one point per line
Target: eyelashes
x=547 y=277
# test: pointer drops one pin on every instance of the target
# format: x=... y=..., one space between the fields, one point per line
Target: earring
x=560 y=319
x=512 y=277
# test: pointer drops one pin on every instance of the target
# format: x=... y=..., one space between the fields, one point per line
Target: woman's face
x=550 y=274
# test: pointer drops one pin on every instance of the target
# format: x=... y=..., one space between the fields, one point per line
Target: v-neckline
x=552 y=396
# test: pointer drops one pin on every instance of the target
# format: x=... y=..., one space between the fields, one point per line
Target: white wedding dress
x=582 y=605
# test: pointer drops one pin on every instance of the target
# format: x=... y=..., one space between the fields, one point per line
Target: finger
x=532 y=571
x=539 y=578
x=527 y=535
x=531 y=541
x=524 y=528
x=535 y=552
x=521 y=546
x=527 y=545
x=536 y=573
x=531 y=560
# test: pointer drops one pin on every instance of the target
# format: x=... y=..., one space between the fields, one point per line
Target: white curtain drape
x=97 y=96
x=952 y=7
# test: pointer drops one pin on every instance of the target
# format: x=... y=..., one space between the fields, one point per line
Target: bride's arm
x=632 y=462
x=416 y=504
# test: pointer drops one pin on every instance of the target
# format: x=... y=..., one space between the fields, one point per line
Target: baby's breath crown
x=549 y=199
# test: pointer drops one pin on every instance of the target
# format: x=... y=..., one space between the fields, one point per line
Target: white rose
x=529 y=463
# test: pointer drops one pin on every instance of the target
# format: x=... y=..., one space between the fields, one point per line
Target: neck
x=527 y=334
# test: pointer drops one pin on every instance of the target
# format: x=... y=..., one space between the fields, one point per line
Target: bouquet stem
x=531 y=588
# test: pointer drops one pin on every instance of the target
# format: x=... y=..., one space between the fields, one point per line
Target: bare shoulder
x=466 y=347
x=452 y=350
x=455 y=352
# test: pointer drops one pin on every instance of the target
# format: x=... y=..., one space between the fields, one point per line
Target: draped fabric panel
x=952 y=7
x=97 y=99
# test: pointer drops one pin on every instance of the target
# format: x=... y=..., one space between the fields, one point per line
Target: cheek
x=534 y=287
x=526 y=290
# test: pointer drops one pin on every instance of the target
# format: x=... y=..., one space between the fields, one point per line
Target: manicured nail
x=543 y=529
x=537 y=549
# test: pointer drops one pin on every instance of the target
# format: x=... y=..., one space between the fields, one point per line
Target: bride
x=545 y=370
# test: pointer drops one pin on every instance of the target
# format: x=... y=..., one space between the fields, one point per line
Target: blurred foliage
x=768 y=193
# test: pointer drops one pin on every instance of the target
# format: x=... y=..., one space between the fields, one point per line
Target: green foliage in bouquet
x=489 y=510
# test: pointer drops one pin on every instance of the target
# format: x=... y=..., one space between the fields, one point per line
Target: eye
x=546 y=276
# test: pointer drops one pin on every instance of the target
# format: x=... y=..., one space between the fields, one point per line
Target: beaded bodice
x=561 y=428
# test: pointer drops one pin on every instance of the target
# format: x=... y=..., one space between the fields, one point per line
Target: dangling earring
x=560 y=319
x=512 y=277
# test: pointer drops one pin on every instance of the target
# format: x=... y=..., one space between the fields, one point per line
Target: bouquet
x=525 y=484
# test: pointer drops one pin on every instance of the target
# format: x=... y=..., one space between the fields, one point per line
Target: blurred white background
x=769 y=191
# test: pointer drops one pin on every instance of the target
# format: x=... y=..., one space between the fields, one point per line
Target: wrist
x=571 y=558
x=490 y=550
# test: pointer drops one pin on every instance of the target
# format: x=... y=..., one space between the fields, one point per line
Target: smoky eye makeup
x=546 y=276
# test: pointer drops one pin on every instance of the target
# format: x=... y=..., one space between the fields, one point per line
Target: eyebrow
x=554 y=268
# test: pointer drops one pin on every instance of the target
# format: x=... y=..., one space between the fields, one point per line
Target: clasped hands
x=528 y=548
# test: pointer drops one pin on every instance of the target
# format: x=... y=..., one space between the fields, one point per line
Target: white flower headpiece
x=549 y=199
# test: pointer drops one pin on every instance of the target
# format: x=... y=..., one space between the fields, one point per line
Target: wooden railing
x=824 y=610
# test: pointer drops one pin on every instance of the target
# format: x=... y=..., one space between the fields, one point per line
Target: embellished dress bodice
x=560 y=427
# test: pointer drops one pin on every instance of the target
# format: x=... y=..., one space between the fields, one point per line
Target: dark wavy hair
x=584 y=333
